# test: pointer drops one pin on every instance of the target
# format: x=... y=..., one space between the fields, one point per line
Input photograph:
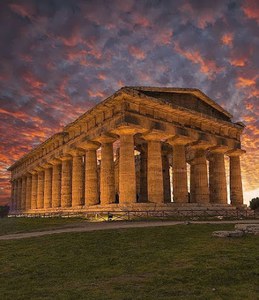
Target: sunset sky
x=58 y=58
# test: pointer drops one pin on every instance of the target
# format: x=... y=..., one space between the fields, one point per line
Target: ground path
x=92 y=226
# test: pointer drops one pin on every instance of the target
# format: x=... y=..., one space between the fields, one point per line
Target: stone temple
x=143 y=147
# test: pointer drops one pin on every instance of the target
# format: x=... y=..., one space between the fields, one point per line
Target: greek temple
x=142 y=147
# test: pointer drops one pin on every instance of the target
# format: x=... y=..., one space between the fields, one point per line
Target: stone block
x=224 y=234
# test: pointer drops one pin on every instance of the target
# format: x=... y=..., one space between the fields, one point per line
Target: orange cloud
x=137 y=53
x=245 y=82
x=227 y=39
x=251 y=9
x=207 y=67
x=237 y=62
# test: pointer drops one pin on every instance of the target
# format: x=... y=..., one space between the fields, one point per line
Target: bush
x=4 y=210
x=254 y=203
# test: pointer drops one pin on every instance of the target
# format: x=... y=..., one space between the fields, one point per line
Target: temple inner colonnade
x=135 y=147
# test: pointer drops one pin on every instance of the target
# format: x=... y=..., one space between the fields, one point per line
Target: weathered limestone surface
x=201 y=177
x=56 y=184
x=127 y=174
x=107 y=181
x=236 y=190
x=40 y=190
x=77 y=179
x=48 y=187
x=155 y=172
x=23 y=204
x=224 y=234
x=66 y=182
x=166 y=178
x=217 y=178
x=155 y=132
x=143 y=174
x=28 y=192
x=180 y=189
x=34 y=188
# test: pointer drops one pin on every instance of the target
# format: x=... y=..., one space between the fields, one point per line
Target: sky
x=59 y=58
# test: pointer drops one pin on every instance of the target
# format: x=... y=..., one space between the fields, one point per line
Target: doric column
x=15 y=183
x=192 y=183
x=12 y=182
x=40 y=188
x=23 y=203
x=180 y=186
x=166 y=177
x=143 y=173
x=200 y=173
x=77 y=177
x=19 y=194
x=236 y=190
x=217 y=176
x=107 y=178
x=47 y=185
x=56 y=182
x=28 y=192
x=66 y=181
x=154 y=166
x=34 y=187
x=91 y=176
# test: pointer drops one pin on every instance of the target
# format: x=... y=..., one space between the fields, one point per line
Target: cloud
x=58 y=60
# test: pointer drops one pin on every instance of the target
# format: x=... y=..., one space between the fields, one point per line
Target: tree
x=254 y=203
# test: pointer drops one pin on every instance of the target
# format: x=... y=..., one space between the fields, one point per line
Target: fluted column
x=66 y=181
x=40 y=189
x=217 y=176
x=77 y=178
x=143 y=174
x=56 y=183
x=236 y=189
x=107 y=178
x=34 y=187
x=155 y=185
x=127 y=173
x=201 y=174
x=12 y=182
x=28 y=192
x=166 y=177
x=23 y=203
x=15 y=195
x=19 y=194
x=47 y=186
x=192 y=183
x=180 y=186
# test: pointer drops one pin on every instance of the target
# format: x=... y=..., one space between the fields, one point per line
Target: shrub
x=4 y=210
x=254 y=203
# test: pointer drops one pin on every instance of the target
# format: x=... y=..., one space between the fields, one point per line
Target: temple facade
x=141 y=147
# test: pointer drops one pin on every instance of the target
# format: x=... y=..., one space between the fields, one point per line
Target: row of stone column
x=72 y=181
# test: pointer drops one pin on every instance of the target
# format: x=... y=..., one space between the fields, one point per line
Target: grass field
x=18 y=225
x=176 y=262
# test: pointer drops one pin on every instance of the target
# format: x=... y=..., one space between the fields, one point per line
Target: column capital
x=180 y=140
x=219 y=149
x=235 y=152
x=105 y=138
x=201 y=145
x=156 y=135
x=39 y=168
x=54 y=161
x=88 y=145
x=74 y=151
x=46 y=165
x=128 y=130
x=65 y=157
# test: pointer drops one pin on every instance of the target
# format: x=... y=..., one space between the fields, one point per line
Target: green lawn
x=176 y=262
x=18 y=225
